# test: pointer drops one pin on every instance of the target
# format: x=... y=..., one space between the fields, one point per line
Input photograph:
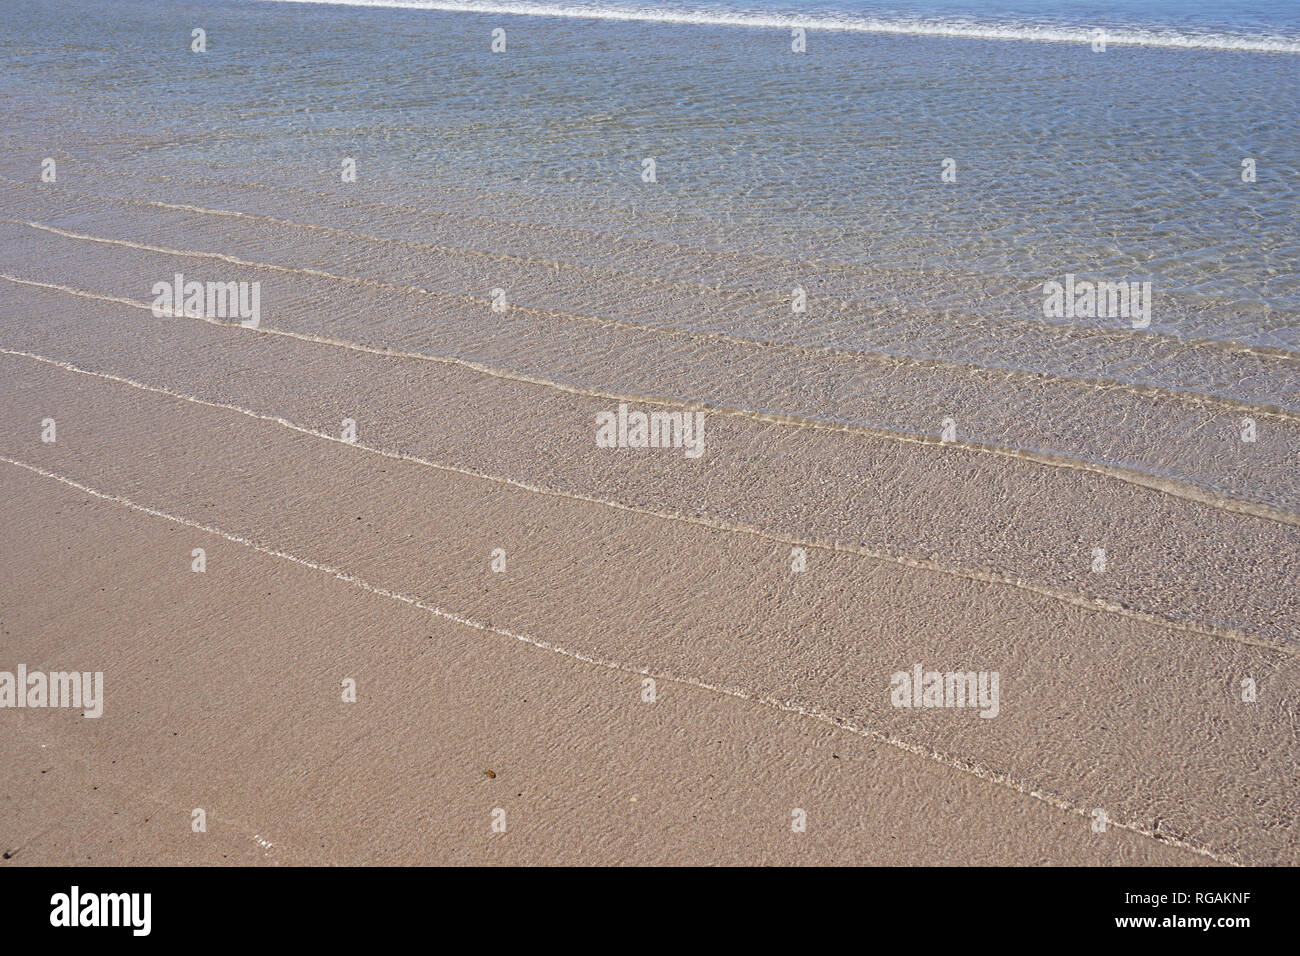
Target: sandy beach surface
x=564 y=653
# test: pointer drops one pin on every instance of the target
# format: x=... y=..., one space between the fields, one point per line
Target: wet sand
x=372 y=561
x=566 y=653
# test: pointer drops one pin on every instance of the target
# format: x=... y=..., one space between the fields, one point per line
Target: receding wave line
x=961 y=764
x=846 y=23
x=1178 y=488
x=1199 y=399
x=1226 y=345
x=1078 y=599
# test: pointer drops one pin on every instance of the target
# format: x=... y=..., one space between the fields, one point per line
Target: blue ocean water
x=923 y=171
x=1124 y=161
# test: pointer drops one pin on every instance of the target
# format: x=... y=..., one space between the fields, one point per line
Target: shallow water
x=820 y=170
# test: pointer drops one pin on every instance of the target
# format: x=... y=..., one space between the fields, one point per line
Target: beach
x=306 y=347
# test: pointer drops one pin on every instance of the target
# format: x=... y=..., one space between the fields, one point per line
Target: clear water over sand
x=774 y=170
x=827 y=430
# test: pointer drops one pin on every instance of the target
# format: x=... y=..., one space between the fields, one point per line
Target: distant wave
x=847 y=23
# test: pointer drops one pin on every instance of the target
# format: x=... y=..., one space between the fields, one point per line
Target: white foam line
x=1168 y=486
x=1228 y=346
x=1101 y=385
x=1076 y=599
x=799 y=347
x=1097 y=384
x=962 y=764
x=963 y=29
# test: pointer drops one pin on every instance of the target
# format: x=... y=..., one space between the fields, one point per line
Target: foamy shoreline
x=959 y=29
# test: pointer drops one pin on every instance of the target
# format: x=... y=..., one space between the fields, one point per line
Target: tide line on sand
x=961 y=764
x=1170 y=486
x=837 y=546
